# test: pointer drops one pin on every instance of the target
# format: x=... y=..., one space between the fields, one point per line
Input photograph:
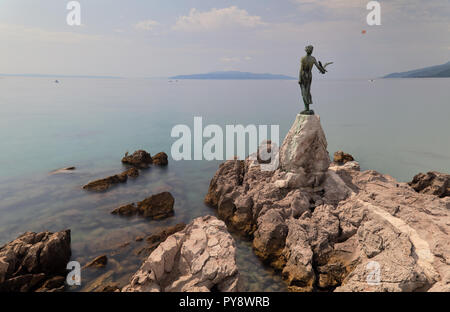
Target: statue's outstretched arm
x=320 y=67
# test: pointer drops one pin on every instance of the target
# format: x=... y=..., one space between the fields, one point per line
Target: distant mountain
x=229 y=75
x=59 y=76
x=438 y=71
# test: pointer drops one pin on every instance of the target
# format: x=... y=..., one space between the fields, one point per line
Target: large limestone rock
x=35 y=262
x=199 y=258
x=304 y=151
x=336 y=232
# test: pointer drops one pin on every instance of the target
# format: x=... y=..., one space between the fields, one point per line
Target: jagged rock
x=32 y=261
x=98 y=262
x=199 y=258
x=341 y=158
x=304 y=151
x=139 y=159
x=269 y=238
x=155 y=207
x=324 y=235
x=160 y=159
x=433 y=183
x=104 y=184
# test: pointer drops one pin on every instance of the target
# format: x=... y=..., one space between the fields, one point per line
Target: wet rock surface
x=97 y=262
x=201 y=257
x=433 y=183
x=139 y=159
x=66 y=170
x=160 y=159
x=334 y=228
x=104 y=184
x=155 y=207
x=35 y=262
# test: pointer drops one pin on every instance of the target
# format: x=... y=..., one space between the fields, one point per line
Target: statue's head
x=309 y=49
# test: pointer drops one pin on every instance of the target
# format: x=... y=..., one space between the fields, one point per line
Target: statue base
x=307 y=112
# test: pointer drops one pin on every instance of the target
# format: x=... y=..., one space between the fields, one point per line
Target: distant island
x=438 y=71
x=230 y=75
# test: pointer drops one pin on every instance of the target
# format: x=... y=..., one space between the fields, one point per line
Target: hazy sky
x=145 y=38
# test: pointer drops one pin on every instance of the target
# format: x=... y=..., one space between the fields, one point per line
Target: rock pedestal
x=304 y=151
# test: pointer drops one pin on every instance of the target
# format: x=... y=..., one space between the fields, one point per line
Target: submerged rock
x=199 y=258
x=63 y=170
x=104 y=184
x=139 y=159
x=433 y=183
x=155 y=207
x=332 y=228
x=98 y=262
x=127 y=210
x=35 y=261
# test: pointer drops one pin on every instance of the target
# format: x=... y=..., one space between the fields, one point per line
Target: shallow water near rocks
x=91 y=123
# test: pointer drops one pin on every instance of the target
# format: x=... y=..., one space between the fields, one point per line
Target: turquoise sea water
x=400 y=127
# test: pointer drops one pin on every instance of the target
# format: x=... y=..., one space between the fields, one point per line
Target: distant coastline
x=231 y=75
x=59 y=76
x=437 y=71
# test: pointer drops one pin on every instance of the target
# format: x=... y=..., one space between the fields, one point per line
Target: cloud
x=334 y=4
x=146 y=25
x=396 y=11
x=35 y=34
x=233 y=59
x=217 y=19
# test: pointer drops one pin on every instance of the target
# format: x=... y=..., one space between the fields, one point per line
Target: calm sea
x=399 y=127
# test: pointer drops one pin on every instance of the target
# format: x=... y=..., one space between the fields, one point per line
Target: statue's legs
x=306 y=95
x=309 y=94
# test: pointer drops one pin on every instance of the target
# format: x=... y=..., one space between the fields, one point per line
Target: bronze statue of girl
x=305 y=77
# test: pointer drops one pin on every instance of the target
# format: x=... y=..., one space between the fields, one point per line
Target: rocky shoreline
x=322 y=225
